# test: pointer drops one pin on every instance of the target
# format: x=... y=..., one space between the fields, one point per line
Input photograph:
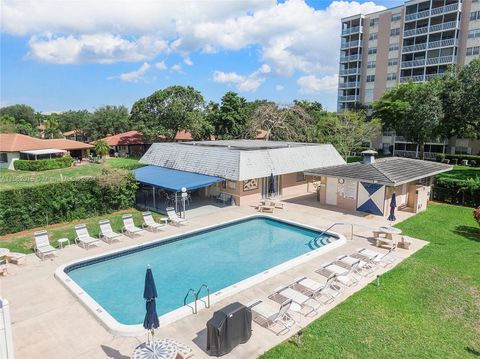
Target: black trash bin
x=230 y=326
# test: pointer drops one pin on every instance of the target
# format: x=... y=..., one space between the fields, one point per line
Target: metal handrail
x=194 y=309
x=207 y=305
x=333 y=225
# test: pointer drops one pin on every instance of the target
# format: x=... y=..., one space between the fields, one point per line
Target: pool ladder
x=196 y=296
x=333 y=225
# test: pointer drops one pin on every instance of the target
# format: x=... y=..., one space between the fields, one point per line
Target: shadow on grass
x=468 y=232
x=473 y=351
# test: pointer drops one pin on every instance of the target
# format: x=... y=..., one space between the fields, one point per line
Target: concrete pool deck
x=49 y=322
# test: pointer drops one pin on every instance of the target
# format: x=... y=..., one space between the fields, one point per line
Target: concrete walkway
x=49 y=322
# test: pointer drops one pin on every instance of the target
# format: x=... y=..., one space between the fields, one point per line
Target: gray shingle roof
x=390 y=171
x=241 y=159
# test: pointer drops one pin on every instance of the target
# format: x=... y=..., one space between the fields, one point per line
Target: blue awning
x=173 y=180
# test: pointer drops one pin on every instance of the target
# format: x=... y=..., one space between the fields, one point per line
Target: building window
x=472 y=34
x=374 y=21
x=370 y=78
x=396 y=17
x=475 y=15
x=373 y=36
x=471 y=51
x=371 y=64
x=372 y=50
x=395 y=32
x=3 y=158
x=392 y=62
x=300 y=177
x=230 y=184
x=394 y=47
x=392 y=76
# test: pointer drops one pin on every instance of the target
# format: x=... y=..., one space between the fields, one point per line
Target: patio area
x=48 y=321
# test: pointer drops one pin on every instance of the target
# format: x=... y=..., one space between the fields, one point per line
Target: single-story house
x=77 y=135
x=368 y=186
x=14 y=146
x=240 y=169
x=134 y=144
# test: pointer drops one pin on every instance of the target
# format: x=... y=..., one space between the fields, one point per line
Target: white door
x=331 y=197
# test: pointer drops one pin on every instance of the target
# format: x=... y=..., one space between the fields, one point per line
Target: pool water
x=219 y=257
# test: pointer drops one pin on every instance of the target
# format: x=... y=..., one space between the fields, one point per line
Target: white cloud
x=134 y=76
x=312 y=84
x=177 y=68
x=279 y=88
x=98 y=48
x=249 y=83
x=188 y=61
x=161 y=65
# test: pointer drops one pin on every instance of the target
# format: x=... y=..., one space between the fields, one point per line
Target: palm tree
x=101 y=148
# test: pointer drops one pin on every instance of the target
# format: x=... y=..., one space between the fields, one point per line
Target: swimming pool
x=227 y=257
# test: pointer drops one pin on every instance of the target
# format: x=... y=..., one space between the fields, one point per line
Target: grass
x=426 y=307
x=23 y=242
x=18 y=179
x=461 y=173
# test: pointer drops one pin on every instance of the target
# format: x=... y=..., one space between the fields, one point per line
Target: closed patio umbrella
x=271 y=185
x=393 y=205
x=149 y=294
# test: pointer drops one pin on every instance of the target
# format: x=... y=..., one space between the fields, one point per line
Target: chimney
x=368 y=156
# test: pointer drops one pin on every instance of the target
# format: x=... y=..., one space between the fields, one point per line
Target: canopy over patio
x=173 y=180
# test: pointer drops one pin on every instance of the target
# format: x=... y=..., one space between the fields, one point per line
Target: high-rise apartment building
x=412 y=42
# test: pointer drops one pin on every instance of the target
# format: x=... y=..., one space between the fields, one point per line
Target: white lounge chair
x=387 y=258
x=313 y=288
x=365 y=267
x=282 y=294
x=107 y=233
x=270 y=314
x=42 y=245
x=172 y=216
x=349 y=279
x=150 y=224
x=129 y=227
x=344 y=274
x=83 y=238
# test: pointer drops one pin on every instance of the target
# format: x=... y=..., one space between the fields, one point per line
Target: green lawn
x=17 y=179
x=461 y=173
x=23 y=242
x=426 y=307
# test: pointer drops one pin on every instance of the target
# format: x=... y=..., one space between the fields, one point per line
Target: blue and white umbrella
x=393 y=205
x=149 y=294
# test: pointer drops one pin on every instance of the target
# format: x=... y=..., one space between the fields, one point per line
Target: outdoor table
x=61 y=242
x=158 y=349
x=4 y=252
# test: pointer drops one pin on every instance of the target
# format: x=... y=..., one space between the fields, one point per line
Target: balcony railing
x=346 y=45
x=430 y=45
x=435 y=11
x=352 y=30
x=433 y=28
x=432 y=61
x=350 y=71
x=419 y=78
x=413 y=32
x=347 y=98
x=351 y=84
x=355 y=57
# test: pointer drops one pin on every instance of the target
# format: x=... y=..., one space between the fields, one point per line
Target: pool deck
x=49 y=322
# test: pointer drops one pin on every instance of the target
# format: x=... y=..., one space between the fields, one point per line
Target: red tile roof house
x=134 y=144
x=14 y=146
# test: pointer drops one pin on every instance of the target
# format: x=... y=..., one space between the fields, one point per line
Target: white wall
x=11 y=157
x=6 y=343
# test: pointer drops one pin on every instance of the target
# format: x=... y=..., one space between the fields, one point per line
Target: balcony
x=432 y=61
x=433 y=28
x=346 y=45
x=419 y=78
x=348 y=98
x=432 y=12
x=355 y=57
x=413 y=32
x=352 y=30
x=351 y=71
x=430 y=45
x=351 y=84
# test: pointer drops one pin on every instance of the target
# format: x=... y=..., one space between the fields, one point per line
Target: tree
x=74 y=120
x=7 y=124
x=25 y=121
x=285 y=124
x=346 y=130
x=102 y=148
x=108 y=120
x=413 y=110
x=165 y=112
x=460 y=95
x=230 y=118
x=52 y=128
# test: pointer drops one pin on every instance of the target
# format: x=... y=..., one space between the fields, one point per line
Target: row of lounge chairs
x=83 y=238
x=306 y=296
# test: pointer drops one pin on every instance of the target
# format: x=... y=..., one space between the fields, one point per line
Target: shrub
x=463 y=192
x=43 y=165
x=32 y=207
x=440 y=157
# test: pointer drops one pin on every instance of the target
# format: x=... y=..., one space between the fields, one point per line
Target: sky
x=58 y=55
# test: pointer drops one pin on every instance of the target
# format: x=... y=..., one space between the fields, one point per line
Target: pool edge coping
x=133 y=330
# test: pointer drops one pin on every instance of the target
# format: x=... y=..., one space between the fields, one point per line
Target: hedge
x=37 y=206
x=43 y=165
x=454 y=191
x=441 y=157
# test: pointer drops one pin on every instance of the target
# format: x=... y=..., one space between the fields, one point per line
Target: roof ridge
x=383 y=173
